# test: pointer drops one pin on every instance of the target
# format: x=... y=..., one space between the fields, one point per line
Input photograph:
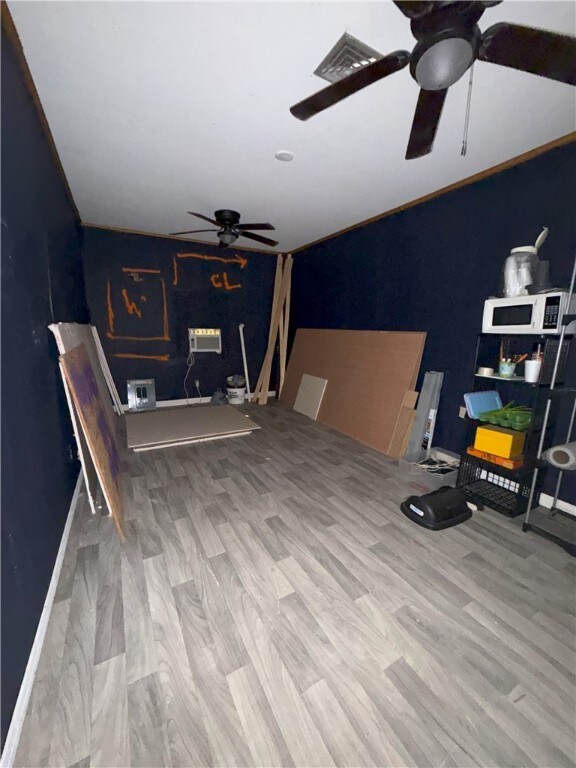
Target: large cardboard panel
x=369 y=372
x=92 y=416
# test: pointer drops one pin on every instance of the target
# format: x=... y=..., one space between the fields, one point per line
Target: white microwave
x=534 y=315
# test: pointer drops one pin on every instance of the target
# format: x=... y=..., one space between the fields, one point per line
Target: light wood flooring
x=272 y=606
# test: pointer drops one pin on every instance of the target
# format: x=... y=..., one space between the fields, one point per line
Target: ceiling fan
x=448 y=43
x=229 y=228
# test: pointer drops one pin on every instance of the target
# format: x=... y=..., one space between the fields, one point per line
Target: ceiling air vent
x=348 y=55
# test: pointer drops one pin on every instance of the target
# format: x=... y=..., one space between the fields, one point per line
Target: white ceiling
x=161 y=107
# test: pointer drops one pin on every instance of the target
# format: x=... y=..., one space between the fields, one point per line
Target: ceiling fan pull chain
x=467 y=118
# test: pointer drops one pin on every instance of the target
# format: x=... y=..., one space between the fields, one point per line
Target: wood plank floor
x=272 y=607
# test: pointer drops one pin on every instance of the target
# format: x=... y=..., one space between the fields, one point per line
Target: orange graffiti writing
x=137 y=269
x=133 y=309
x=235 y=260
x=222 y=282
x=110 y=310
x=166 y=334
x=160 y=358
x=131 y=306
x=175 y=265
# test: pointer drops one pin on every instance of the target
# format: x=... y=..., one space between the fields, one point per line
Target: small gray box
x=141 y=395
x=412 y=462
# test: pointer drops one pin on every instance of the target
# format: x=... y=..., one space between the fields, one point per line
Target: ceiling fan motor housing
x=448 y=42
x=227 y=217
x=228 y=220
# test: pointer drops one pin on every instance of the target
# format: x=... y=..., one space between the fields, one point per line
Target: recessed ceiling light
x=284 y=155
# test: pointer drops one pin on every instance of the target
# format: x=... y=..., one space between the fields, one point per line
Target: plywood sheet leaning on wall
x=94 y=422
x=68 y=336
x=71 y=335
x=369 y=374
x=88 y=469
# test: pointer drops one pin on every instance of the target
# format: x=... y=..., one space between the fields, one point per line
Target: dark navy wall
x=202 y=292
x=41 y=282
x=430 y=268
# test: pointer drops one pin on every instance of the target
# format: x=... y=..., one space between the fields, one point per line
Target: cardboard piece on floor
x=310 y=394
x=180 y=443
x=167 y=426
x=369 y=374
x=83 y=388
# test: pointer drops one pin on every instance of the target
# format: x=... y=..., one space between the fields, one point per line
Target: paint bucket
x=236 y=395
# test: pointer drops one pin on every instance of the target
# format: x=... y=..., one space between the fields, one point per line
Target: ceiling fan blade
x=259 y=238
x=548 y=54
x=193 y=231
x=254 y=226
x=201 y=216
x=425 y=123
x=364 y=76
x=413 y=8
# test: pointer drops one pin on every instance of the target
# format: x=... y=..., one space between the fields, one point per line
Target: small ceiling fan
x=229 y=228
x=448 y=43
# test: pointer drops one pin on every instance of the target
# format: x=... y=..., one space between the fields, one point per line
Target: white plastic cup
x=532 y=371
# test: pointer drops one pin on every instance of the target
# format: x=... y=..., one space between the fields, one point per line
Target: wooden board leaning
x=83 y=389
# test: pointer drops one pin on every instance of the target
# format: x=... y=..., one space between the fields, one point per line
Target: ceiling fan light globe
x=444 y=63
x=227 y=237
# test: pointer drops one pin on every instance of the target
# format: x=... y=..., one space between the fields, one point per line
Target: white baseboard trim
x=183 y=401
x=546 y=501
x=15 y=729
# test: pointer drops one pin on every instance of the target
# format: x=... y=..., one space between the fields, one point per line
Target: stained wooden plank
x=181 y=712
x=110 y=640
x=34 y=746
x=73 y=705
x=265 y=740
x=147 y=728
x=341 y=738
x=139 y=639
x=227 y=742
x=110 y=734
x=304 y=742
